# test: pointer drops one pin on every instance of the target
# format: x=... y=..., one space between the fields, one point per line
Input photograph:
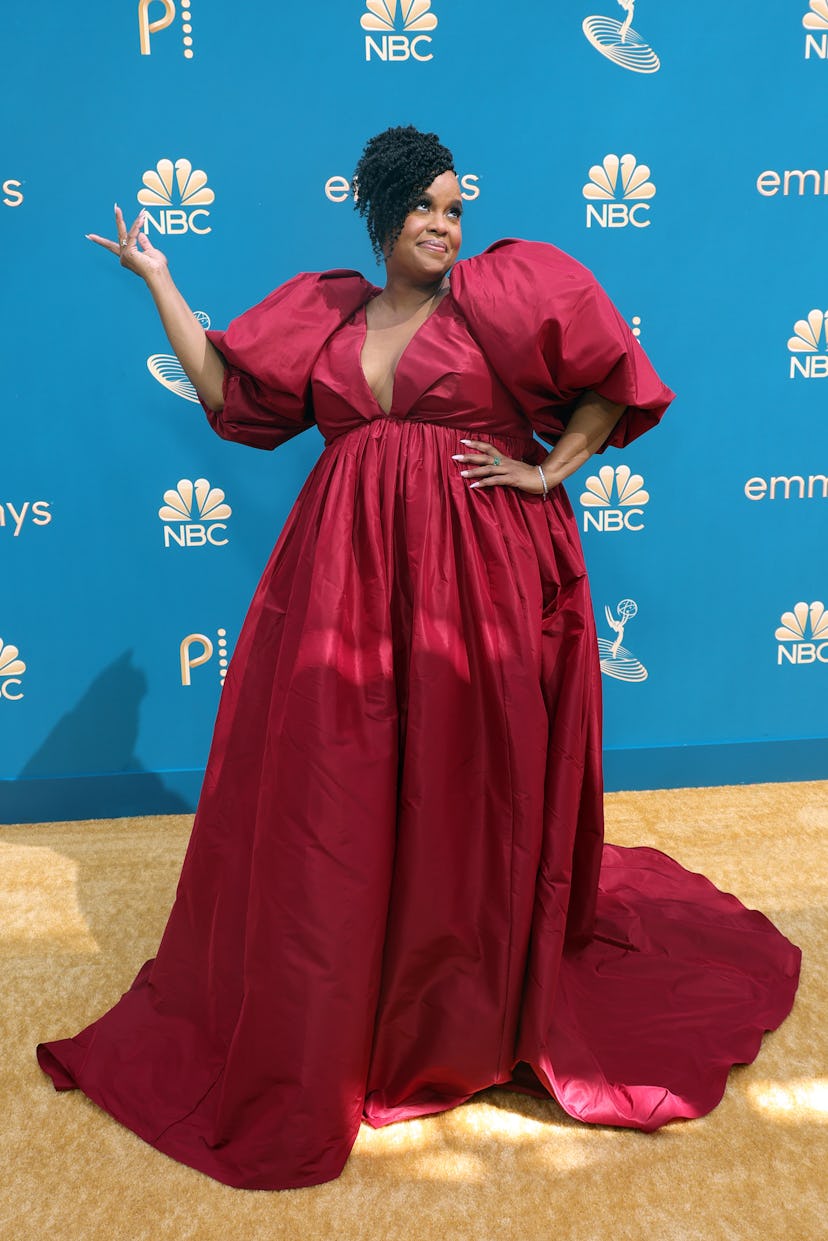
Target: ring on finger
x=124 y=241
x=495 y=460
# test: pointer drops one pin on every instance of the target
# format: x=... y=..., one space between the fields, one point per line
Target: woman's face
x=431 y=235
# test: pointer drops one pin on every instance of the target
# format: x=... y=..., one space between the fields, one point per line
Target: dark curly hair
x=393 y=170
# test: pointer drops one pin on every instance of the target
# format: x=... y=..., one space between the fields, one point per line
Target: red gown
x=396 y=893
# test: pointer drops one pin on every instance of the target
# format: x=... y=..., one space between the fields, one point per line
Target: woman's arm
x=202 y=363
x=591 y=422
x=589 y=426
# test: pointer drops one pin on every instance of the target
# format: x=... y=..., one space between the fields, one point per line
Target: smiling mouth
x=434 y=245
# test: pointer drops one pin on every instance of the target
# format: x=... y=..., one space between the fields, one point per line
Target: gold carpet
x=82 y=905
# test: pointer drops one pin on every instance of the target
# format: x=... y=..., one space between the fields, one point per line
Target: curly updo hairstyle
x=393 y=170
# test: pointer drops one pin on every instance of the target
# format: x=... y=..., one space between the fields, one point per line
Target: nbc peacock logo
x=808 y=346
x=166 y=368
x=12 y=668
x=180 y=195
x=815 y=22
x=614 y=500
x=620 y=43
x=195 y=515
x=616 y=660
x=802 y=635
x=397 y=29
x=623 y=189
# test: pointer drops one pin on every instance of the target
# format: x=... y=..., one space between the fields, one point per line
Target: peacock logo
x=802 y=635
x=616 y=660
x=180 y=195
x=623 y=189
x=614 y=499
x=618 y=178
x=817 y=16
x=396 y=29
x=808 y=346
x=815 y=22
x=620 y=43
x=194 y=514
x=12 y=668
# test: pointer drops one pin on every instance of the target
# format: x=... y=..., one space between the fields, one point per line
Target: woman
x=396 y=894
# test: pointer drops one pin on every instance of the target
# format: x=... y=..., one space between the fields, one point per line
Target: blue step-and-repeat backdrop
x=677 y=150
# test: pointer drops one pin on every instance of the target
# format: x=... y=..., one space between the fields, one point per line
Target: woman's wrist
x=158 y=279
x=552 y=475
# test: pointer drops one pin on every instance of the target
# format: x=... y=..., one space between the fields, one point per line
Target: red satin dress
x=396 y=892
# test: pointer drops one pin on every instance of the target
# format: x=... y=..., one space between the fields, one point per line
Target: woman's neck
x=405 y=297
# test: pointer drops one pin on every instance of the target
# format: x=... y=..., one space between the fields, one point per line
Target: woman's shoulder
x=312 y=302
x=304 y=310
x=337 y=286
x=515 y=264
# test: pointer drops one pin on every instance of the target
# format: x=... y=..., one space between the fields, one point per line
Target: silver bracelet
x=543 y=480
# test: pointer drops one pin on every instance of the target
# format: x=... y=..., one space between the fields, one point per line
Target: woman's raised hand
x=134 y=248
x=202 y=363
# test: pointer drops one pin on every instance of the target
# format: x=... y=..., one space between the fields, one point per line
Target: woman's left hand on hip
x=489 y=467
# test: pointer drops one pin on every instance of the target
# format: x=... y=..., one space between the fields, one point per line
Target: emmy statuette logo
x=623 y=189
x=815 y=22
x=620 y=43
x=166 y=368
x=614 y=499
x=194 y=515
x=168 y=184
x=11 y=670
x=802 y=635
x=396 y=29
x=197 y=649
x=147 y=28
x=808 y=346
x=616 y=660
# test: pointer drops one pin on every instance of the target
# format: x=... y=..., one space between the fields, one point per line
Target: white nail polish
x=457 y=456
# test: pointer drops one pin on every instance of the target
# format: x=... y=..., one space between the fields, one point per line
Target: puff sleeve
x=550 y=332
x=270 y=351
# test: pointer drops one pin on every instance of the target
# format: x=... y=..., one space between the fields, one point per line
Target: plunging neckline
x=363 y=310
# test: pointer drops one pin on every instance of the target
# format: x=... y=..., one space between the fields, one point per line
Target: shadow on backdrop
x=86 y=768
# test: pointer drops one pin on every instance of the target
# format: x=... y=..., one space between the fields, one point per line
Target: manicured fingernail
x=457 y=456
x=473 y=485
x=465 y=441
